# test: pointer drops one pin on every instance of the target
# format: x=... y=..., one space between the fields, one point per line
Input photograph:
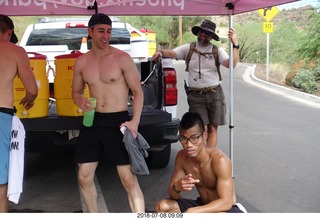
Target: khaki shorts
x=210 y=105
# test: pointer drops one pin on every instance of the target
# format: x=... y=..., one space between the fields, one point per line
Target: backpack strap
x=216 y=58
x=191 y=50
x=214 y=53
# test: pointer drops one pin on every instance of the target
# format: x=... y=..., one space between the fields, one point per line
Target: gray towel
x=137 y=150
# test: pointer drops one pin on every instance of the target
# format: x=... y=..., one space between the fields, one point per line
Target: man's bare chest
x=105 y=75
x=205 y=175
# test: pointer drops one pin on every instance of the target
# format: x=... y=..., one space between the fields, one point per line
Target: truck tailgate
x=52 y=123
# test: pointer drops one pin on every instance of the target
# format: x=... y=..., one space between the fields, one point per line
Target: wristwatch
x=236 y=46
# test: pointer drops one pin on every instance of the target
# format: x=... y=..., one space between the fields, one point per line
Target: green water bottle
x=89 y=115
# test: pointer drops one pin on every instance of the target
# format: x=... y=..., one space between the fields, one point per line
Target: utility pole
x=180 y=30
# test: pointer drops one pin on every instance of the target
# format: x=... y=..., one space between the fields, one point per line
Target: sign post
x=267 y=27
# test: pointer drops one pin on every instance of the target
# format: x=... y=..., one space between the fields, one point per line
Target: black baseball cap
x=99 y=18
x=5 y=19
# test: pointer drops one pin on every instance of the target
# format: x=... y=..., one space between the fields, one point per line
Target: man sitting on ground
x=208 y=169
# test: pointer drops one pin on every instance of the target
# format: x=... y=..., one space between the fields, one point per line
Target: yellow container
x=63 y=85
x=38 y=64
x=151 y=35
x=151 y=40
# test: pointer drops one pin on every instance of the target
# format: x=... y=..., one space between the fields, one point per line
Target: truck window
x=72 y=37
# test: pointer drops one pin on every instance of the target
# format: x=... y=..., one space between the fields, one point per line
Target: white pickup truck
x=158 y=125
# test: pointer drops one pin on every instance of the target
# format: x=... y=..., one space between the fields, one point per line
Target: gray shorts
x=210 y=105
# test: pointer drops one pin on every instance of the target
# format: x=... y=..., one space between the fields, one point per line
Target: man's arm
x=233 y=37
x=225 y=185
x=78 y=84
x=132 y=78
x=175 y=190
x=27 y=78
x=165 y=53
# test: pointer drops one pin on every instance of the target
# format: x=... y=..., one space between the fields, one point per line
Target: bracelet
x=236 y=47
x=174 y=188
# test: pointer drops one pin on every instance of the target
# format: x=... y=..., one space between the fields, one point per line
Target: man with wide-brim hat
x=206 y=25
x=205 y=94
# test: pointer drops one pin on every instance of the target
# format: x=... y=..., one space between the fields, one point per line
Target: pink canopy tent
x=133 y=7
x=143 y=7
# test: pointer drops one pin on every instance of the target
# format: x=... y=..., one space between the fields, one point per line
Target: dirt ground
x=277 y=78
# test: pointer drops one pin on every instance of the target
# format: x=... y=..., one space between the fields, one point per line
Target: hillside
x=297 y=15
x=277 y=73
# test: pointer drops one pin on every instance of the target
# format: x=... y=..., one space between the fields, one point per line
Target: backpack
x=214 y=53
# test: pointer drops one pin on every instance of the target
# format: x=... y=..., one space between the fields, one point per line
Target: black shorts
x=184 y=204
x=103 y=138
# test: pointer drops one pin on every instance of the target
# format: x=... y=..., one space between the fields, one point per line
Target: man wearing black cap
x=109 y=74
x=205 y=94
x=13 y=61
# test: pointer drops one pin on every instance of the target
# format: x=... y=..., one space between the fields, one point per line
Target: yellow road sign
x=268 y=13
x=267 y=27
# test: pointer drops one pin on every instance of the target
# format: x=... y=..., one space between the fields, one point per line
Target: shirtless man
x=13 y=60
x=109 y=73
x=208 y=169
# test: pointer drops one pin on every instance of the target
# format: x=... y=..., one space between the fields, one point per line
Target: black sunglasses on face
x=208 y=33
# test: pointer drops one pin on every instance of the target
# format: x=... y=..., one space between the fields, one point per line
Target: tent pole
x=231 y=126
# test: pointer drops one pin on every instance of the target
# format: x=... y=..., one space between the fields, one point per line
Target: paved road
x=276 y=144
x=276 y=148
x=276 y=159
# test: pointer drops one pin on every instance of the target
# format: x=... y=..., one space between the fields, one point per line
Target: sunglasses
x=208 y=33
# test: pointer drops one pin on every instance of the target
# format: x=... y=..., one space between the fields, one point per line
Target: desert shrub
x=306 y=80
x=289 y=78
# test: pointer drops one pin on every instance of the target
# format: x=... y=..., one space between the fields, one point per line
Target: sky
x=301 y=3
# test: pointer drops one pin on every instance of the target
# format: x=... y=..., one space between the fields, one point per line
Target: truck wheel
x=159 y=159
